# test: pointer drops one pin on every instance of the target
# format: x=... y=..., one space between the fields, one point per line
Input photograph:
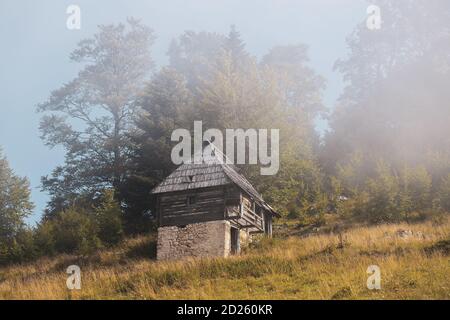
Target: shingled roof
x=212 y=172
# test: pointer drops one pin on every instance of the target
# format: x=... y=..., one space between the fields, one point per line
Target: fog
x=385 y=90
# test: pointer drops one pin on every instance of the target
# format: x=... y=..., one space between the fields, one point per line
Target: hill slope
x=414 y=263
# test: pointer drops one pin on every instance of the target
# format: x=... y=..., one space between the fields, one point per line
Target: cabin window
x=191 y=200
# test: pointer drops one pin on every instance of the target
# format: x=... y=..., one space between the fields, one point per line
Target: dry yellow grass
x=315 y=267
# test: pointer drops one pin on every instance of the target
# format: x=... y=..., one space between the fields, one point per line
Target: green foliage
x=108 y=217
x=351 y=174
x=444 y=194
x=80 y=230
x=394 y=109
x=15 y=204
x=74 y=231
x=44 y=238
x=383 y=194
x=415 y=193
x=231 y=89
x=297 y=187
x=213 y=78
x=166 y=105
x=91 y=116
x=387 y=196
x=354 y=206
x=20 y=249
x=23 y=247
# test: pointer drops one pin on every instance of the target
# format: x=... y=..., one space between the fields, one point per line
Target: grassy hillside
x=414 y=262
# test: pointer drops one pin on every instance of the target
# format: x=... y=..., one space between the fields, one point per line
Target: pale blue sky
x=35 y=47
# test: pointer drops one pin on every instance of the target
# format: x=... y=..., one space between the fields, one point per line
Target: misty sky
x=35 y=48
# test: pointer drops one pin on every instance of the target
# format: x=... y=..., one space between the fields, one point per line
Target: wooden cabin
x=208 y=209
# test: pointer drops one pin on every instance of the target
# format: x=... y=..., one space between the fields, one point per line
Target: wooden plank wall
x=209 y=205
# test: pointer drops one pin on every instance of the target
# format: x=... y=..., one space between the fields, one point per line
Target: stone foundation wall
x=207 y=239
x=244 y=238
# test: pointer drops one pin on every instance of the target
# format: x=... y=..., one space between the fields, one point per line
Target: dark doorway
x=268 y=225
x=234 y=240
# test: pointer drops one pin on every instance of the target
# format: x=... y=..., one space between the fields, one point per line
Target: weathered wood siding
x=212 y=204
x=174 y=209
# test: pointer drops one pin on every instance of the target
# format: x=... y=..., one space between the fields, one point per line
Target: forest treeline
x=384 y=158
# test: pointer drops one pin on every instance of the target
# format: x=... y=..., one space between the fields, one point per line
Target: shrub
x=19 y=249
x=44 y=238
x=383 y=194
x=444 y=194
x=415 y=192
x=74 y=231
x=108 y=217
